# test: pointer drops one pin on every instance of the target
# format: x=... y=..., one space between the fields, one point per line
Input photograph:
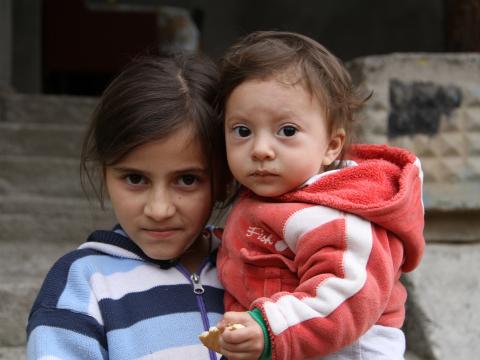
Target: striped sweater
x=323 y=263
x=107 y=300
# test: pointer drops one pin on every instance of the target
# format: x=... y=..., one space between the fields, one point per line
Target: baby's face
x=276 y=136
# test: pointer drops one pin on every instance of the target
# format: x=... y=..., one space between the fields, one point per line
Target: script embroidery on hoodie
x=259 y=235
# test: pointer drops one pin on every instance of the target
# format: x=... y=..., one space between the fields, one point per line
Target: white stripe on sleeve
x=289 y=310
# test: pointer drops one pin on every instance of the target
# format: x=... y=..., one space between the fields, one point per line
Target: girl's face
x=277 y=136
x=161 y=194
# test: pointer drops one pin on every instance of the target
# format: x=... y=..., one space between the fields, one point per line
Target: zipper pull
x=197 y=286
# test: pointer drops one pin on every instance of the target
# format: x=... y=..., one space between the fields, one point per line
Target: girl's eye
x=242 y=131
x=188 y=180
x=135 y=179
x=287 y=131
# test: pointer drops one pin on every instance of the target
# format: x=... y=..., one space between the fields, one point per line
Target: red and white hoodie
x=323 y=262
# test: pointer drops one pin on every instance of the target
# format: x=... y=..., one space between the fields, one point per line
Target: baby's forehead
x=297 y=77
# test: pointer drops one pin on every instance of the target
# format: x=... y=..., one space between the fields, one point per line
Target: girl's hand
x=241 y=344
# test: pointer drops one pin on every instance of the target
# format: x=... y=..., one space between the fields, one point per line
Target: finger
x=235 y=316
x=232 y=355
x=236 y=336
x=250 y=345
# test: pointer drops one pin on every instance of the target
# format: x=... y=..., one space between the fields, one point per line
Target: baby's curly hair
x=294 y=58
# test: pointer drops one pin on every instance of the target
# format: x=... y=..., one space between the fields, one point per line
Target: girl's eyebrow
x=193 y=169
x=121 y=168
x=190 y=169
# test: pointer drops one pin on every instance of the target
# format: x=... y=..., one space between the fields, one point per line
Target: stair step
x=43 y=213
x=12 y=353
x=24 y=266
x=47 y=219
x=48 y=176
x=44 y=109
x=34 y=232
x=33 y=139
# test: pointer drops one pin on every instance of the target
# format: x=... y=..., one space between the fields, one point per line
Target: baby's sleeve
x=346 y=278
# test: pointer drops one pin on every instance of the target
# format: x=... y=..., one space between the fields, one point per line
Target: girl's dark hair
x=264 y=55
x=153 y=97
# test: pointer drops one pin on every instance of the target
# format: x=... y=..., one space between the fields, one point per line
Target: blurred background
x=420 y=58
x=75 y=46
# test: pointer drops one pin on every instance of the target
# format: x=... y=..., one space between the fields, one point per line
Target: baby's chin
x=271 y=192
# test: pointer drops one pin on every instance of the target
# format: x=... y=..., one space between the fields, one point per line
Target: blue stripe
x=169 y=331
x=77 y=323
x=56 y=279
x=77 y=292
x=63 y=344
x=161 y=300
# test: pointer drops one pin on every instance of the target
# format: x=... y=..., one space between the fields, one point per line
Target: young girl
x=149 y=286
x=314 y=247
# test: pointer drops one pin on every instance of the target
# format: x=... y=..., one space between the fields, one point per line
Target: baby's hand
x=241 y=344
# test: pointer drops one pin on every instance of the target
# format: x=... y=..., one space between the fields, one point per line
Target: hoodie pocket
x=265 y=275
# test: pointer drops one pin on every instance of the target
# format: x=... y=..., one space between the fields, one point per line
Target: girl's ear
x=335 y=146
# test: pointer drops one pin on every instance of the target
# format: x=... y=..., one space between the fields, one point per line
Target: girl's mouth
x=162 y=233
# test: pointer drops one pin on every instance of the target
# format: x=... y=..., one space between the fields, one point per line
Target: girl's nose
x=159 y=205
x=262 y=149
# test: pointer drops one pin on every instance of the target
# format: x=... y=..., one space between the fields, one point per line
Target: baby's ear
x=335 y=146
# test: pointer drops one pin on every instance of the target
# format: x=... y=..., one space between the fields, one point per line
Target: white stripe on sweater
x=418 y=164
x=141 y=278
x=305 y=220
x=110 y=250
x=288 y=310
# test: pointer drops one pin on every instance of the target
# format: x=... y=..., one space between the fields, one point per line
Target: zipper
x=198 y=290
x=197 y=285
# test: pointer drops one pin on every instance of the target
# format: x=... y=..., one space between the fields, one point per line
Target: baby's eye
x=287 y=131
x=188 y=180
x=242 y=131
x=135 y=179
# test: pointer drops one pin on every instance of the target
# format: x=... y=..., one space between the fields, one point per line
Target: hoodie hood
x=385 y=187
x=117 y=243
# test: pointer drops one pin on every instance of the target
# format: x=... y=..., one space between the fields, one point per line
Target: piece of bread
x=211 y=337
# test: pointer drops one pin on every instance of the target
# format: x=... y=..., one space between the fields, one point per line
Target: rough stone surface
x=12 y=353
x=445 y=294
x=429 y=103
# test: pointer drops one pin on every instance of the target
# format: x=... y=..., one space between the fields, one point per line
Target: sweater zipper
x=198 y=290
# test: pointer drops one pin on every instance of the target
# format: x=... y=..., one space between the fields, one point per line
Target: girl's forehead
x=181 y=145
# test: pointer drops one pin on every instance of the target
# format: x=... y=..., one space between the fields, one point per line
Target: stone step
x=46 y=176
x=24 y=266
x=47 y=219
x=46 y=109
x=12 y=353
x=34 y=232
x=34 y=139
